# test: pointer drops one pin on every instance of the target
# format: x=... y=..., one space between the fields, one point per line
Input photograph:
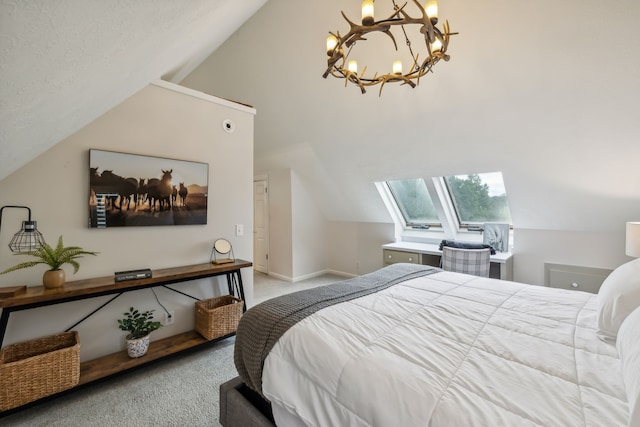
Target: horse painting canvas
x=136 y=190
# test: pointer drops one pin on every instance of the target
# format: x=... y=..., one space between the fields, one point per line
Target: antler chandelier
x=436 y=43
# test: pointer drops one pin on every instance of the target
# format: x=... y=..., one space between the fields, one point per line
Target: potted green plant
x=54 y=258
x=139 y=325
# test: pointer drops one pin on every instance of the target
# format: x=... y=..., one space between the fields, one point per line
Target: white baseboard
x=341 y=273
x=280 y=277
x=311 y=275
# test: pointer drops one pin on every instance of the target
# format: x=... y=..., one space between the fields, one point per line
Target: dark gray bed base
x=242 y=407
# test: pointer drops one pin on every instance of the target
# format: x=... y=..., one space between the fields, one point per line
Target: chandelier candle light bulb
x=353 y=66
x=432 y=11
x=397 y=67
x=436 y=46
x=332 y=42
x=367 y=12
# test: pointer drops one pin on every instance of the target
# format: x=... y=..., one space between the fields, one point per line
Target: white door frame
x=261 y=217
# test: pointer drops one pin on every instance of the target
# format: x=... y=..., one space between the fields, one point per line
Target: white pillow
x=619 y=295
x=628 y=346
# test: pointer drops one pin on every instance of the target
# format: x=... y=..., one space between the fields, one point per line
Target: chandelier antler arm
x=358 y=30
x=335 y=55
x=388 y=32
x=426 y=67
x=381 y=86
x=447 y=32
x=353 y=77
x=443 y=37
x=393 y=78
x=364 y=70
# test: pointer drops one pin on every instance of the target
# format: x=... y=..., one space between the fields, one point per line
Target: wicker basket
x=219 y=316
x=34 y=369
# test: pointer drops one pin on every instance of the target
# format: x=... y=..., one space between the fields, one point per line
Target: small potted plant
x=139 y=325
x=54 y=258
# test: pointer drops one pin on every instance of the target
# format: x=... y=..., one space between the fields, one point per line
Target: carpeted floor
x=180 y=391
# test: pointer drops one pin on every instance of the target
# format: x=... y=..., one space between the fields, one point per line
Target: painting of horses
x=130 y=190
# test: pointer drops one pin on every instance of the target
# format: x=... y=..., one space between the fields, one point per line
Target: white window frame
x=403 y=233
x=450 y=225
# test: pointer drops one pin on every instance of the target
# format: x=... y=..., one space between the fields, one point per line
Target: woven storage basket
x=34 y=369
x=216 y=317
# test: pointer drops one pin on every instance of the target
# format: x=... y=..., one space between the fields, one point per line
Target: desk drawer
x=392 y=257
x=574 y=277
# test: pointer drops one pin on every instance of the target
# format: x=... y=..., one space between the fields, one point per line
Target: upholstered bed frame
x=242 y=407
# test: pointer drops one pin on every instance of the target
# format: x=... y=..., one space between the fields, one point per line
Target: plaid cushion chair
x=469 y=261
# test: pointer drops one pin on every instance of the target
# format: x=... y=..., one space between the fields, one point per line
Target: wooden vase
x=53 y=279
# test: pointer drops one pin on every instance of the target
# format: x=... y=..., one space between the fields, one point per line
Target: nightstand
x=574 y=277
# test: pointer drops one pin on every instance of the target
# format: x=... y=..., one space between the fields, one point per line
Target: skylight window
x=478 y=198
x=453 y=207
x=414 y=203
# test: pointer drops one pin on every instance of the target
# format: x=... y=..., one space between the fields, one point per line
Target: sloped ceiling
x=64 y=63
x=546 y=92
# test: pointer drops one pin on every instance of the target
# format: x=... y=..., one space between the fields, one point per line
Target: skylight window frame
x=450 y=200
x=409 y=225
x=460 y=224
x=451 y=227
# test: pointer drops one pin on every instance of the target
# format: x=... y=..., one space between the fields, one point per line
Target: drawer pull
x=574 y=285
x=389 y=256
x=410 y=259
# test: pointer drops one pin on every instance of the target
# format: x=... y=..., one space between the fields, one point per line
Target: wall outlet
x=169 y=318
x=239 y=230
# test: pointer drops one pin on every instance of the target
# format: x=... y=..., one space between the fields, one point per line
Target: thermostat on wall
x=228 y=125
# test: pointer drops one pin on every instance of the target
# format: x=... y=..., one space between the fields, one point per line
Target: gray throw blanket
x=262 y=325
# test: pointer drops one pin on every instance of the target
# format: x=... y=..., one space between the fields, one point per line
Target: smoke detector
x=228 y=126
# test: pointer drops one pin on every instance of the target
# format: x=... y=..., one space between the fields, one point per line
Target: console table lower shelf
x=111 y=364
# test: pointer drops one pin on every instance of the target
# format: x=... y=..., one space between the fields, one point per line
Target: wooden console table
x=102 y=367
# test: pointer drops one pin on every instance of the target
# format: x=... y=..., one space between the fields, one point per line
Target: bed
x=412 y=345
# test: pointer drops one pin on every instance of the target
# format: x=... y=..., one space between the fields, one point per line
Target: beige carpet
x=180 y=391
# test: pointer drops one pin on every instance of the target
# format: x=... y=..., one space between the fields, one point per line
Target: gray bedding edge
x=261 y=326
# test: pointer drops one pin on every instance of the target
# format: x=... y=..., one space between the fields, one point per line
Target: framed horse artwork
x=128 y=190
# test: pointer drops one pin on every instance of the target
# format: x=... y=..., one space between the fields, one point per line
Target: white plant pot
x=137 y=347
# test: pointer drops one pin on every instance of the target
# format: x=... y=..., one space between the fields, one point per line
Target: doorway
x=260 y=226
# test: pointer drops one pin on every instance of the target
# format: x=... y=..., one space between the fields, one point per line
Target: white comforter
x=449 y=350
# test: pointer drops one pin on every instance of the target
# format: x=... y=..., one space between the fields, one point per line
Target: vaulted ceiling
x=545 y=92
x=64 y=63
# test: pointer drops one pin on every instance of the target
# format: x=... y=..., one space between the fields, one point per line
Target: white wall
x=297 y=233
x=308 y=232
x=280 y=239
x=582 y=248
x=355 y=248
x=158 y=121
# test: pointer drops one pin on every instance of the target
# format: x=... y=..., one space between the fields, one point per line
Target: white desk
x=429 y=254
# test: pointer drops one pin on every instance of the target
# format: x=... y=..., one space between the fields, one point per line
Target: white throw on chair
x=470 y=261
